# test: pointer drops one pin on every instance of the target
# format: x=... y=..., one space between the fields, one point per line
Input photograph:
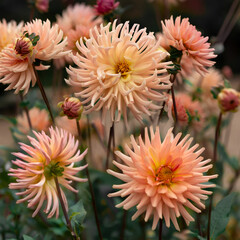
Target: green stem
x=91 y=188
x=26 y=111
x=217 y=134
x=110 y=139
x=160 y=229
x=44 y=96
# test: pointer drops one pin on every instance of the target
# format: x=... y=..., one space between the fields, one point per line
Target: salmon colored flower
x=16 y=60
x=184 y=37
x=9 y=32
x=163 y=178
x=39 y=120
x=75 y=27
x=119 y=68
x=228 y=100
x=48 y=157
x=105 y=6
x=189 y=112
x=51 y=42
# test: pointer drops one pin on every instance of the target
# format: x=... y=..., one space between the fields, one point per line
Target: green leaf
x=215 y=91
x=174 y=53
x=25 y=237
x=220 y=216
x=227 y=84
x=9 y=119
x=224 y=157
x=77 y=215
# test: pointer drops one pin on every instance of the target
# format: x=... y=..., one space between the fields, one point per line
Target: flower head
x=38 y=41
x=39 y=120
x=119 y=68
x=51 y=43
x=75 y=27
x=71 y=107
x=162 y=178
x=9 y=32
x=48 y=157
x=105 y=6
x=228 y=100
x=184 y=37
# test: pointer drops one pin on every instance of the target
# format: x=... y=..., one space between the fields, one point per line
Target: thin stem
x=231 y=25
x=160 y=229
x=43 y=94
x=109 y=144
x=162 y=109
x=90 y=187
x=89 y=137
x=217 y=134
x=65 y=210
x=79 y=131
x=26 y=111
x=227 y=20
x=174 y=108
x=124 y=218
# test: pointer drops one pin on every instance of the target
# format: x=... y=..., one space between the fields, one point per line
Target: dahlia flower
x=48 y=157
x=163 y=178
x=184 y=36
x=75 y=27
x=9 y=32
x=119 y=68
x=188 y=111
x=51 y=43
x=16 y=59
x=39 y=120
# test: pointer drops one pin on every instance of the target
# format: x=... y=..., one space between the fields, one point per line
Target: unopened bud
x=228 y=100
x=105 y=6
x=24 y=47
x=71 y=107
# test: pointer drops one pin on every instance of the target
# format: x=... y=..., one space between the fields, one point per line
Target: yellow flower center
x=164 y=174
x=123 y=68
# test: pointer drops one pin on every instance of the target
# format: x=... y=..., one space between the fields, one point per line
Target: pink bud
x=24 y=46
x=71 y=107
x=42 y=5
x=105 y=6
x=228 y=100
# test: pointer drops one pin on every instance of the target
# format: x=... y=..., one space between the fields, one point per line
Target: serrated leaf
x=77 y=215
x=220 y=216
x=25 y=237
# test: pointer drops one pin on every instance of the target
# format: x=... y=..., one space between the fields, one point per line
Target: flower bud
x=42 y=5
x=24 y=46
x=105 y=6
x=71 y=107
x=228 y=100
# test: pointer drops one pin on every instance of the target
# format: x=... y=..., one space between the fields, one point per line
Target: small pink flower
x=48 y=157
x=105 y=6
x=71 y=107
x=184 y=37
x=42 y=5
x=162 y=178
x=228 y=100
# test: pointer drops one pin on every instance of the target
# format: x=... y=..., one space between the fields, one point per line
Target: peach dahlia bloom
x=9 y=32
x=184 y=36
x=16 y=59
x=120 y=68
x=48 y=156
x=75 y=22
x=39 y=120
x=163 y=178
